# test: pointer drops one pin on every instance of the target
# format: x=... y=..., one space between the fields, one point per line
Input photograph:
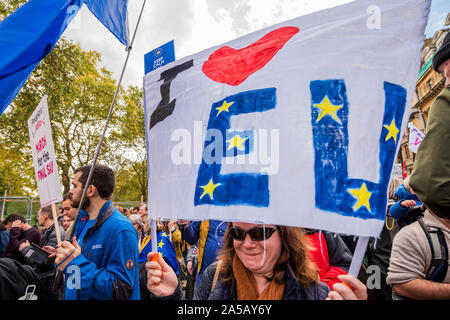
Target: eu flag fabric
x=25 y=40
x=165 y=247
x=113 y=15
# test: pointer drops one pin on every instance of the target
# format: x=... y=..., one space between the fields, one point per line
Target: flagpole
x=88 y=181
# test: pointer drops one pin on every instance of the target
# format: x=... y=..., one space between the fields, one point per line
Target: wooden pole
x=56 y=223
x=4 y=202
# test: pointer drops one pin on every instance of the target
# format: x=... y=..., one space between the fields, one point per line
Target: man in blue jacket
x=101 y=261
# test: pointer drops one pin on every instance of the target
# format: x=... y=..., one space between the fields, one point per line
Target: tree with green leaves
x=129 y=138
x=80 y=93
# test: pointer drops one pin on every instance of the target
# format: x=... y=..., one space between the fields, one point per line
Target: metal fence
x=19 y=204
x=28 y=207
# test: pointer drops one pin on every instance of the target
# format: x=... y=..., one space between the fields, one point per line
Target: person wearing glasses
x=257 y=262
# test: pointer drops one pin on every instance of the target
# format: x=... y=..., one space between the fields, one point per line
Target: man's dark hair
x=48 y=211
x=13 y=217
x=67 y=196
x=102 y=178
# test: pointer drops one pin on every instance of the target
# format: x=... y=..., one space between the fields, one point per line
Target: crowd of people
x=106 y=252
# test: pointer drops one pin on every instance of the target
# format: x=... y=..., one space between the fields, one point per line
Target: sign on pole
x=159 y=57
x=44 y=159
x=415 y=137
x=152 y=61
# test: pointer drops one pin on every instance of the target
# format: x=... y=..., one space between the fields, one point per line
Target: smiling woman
x=258 y=262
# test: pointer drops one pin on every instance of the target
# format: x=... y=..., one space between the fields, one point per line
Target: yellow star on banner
x=237 y=142
x=362 y=195
x=161 y=244
x=327 y=108
x=224 y=107
x=392 y=131
x=209 y=189
x=164 y=234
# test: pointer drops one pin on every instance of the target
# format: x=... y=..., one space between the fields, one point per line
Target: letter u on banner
x=335 y=190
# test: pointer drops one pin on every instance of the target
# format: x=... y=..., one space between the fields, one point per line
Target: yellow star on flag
x=161 y=244
x=362 y=195
x=327 y=108
x=164 y=234
x=237 y=142
x=209 y=189
x=392 y=131
x=224 y=107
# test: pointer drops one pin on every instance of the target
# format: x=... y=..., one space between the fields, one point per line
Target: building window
x=430 y=84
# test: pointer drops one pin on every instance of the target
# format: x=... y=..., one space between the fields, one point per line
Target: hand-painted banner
x=42 y=148
x=415 y=137
x=296 y=124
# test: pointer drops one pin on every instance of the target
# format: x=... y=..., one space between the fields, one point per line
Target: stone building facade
x=429 y=85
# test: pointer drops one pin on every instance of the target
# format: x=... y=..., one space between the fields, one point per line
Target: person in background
x=379 y=250
x=407 y=200
x=414 y=272
x=60 y=214
x=45 y=270
x=164 y=247
x=143 y=211
x=121 y=210
x=207 y=235
x=257 y=262
x=69 y=211
x=19 y=232
x=66 y=221
x=104 y=246
x=330 y=254
x=138 y=224
x=4 y=237
x=65 y=204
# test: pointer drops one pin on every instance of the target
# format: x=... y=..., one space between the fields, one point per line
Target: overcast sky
x=196 y=25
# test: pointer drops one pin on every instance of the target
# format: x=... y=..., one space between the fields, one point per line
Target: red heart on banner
x=231 y=66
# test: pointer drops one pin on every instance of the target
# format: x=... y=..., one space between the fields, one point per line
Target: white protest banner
x=44 y=159
x=296 y=124
x=415 y=137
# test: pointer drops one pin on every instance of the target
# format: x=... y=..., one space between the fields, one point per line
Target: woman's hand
x=161 y=279
x=342 y=291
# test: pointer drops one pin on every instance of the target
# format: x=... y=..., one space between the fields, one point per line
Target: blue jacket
x=165 y=247
x=216 y=231
x=397 y=210
x=4 y=239
x=107 y=267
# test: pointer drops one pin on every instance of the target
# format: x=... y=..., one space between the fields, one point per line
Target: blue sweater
x=107 y=267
